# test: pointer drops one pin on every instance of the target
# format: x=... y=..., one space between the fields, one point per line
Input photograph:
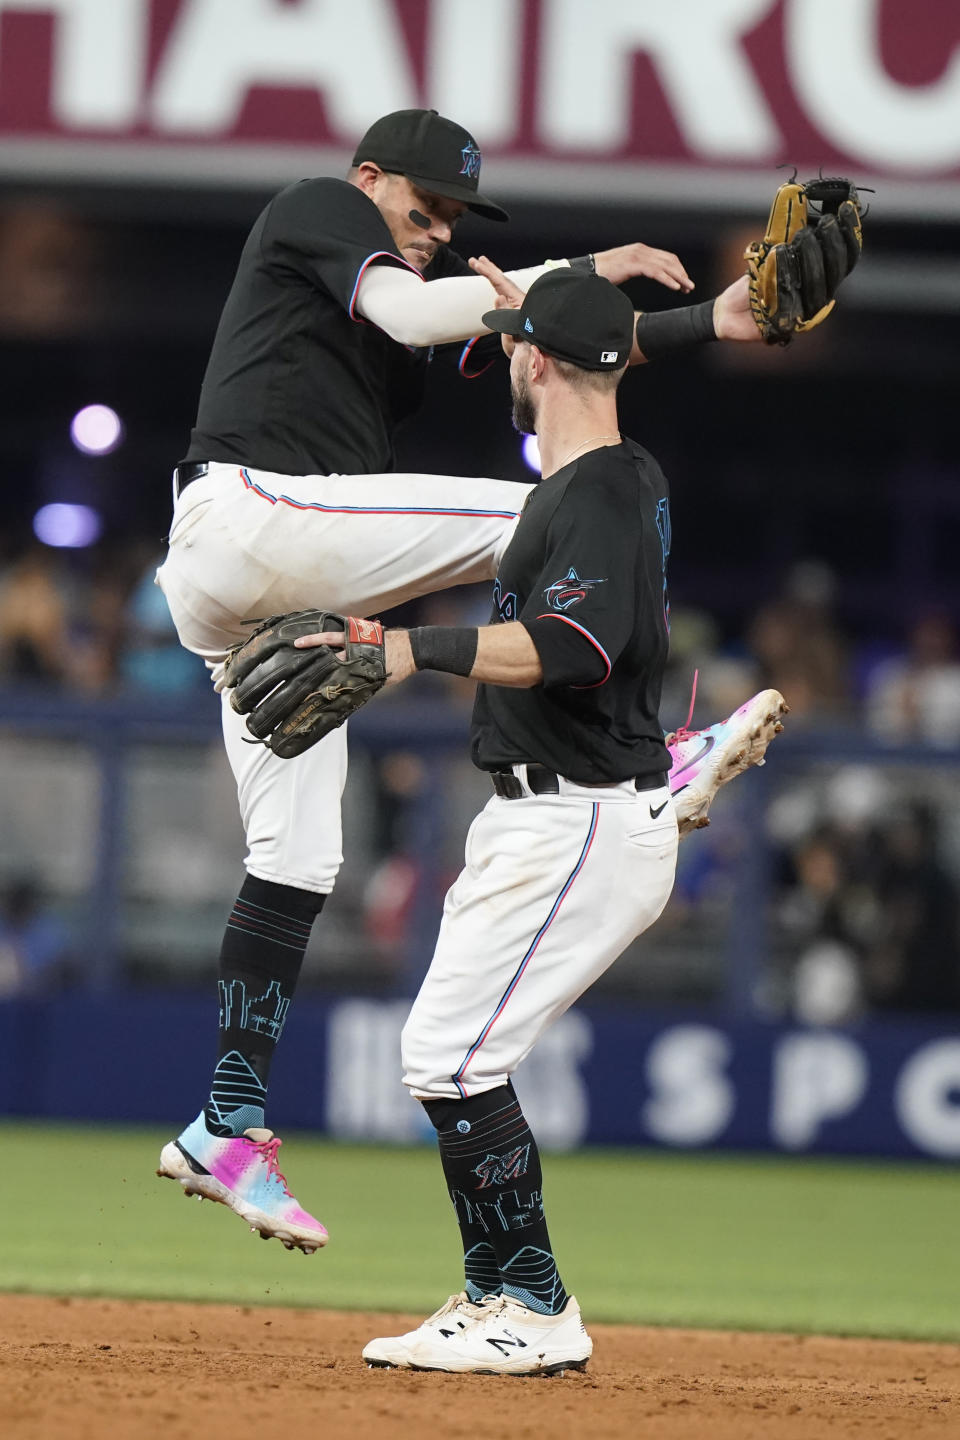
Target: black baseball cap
x=433 y=152
x=581 y=318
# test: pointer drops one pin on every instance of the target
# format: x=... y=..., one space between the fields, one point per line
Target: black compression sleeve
x=663 y=331
x=452 y=648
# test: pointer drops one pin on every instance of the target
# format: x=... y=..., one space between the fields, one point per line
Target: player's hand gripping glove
x=291 y=697
x=796 y=268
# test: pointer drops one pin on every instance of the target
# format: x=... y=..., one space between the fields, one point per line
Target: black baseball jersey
x=585 y=573
x=297 y=382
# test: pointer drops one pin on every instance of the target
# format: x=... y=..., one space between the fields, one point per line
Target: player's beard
x=524 y=415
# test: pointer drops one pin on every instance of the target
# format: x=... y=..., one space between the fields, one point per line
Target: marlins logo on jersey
x=569 y=591
x=505 y=601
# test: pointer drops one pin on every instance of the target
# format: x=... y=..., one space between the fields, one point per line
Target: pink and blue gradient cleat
x=703 y=760
x=242 y=1173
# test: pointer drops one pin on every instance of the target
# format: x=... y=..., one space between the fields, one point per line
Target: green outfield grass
x=845 y=1248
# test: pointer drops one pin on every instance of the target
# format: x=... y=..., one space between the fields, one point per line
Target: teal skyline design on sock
x=237 y=1097
x=261 y=1014
x=482 y=1271
x=531 y=1277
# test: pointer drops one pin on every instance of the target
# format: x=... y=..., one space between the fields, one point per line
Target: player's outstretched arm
x=493 y=654
x=628 y=262
x=728 y=317
x=449 y=309
x=301 y=675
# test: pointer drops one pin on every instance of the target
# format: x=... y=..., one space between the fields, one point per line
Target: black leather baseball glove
x=292 y=698
x=796 y=268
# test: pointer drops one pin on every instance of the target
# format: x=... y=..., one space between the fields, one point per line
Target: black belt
x=542 y=781
x=185 y=475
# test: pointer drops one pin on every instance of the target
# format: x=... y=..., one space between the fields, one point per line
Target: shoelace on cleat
x=684 y=732
x=267 y=1149
x=457 y=1302
x=492 y=1306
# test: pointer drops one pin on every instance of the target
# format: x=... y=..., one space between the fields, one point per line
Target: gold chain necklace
x=583 y=444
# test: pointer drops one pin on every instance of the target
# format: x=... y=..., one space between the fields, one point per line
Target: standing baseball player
x=574 y=855
x=344 y=291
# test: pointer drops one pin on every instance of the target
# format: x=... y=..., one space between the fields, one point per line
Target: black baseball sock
x=492 y=1168
x=260 y=960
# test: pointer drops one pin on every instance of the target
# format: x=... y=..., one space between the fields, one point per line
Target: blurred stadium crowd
x=863 y=859
x=96 y=623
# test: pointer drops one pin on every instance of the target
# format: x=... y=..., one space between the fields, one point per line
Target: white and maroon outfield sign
x=681 y=101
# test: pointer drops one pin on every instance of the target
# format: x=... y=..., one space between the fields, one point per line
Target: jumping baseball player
x=345 y=292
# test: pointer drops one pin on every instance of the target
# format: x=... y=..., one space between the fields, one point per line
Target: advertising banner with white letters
x=616 y=1077
x=888 y=1087
x=691 y=103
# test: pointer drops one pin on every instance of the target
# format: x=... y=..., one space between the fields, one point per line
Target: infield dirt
x=93 y=1368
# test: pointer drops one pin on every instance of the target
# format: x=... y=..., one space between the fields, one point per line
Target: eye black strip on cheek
x=420 y=219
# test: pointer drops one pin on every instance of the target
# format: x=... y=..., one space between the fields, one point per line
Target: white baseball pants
x=246 y=543
x=553 y=889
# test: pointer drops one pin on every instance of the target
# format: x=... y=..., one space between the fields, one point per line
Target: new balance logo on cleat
x=505 y=1341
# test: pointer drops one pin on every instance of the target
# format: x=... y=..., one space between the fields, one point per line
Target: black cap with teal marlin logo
x=431 y=151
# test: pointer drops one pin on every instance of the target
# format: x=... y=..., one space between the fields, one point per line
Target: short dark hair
x=600 y=382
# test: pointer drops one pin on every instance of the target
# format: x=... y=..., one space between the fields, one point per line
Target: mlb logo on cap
x=609 y=357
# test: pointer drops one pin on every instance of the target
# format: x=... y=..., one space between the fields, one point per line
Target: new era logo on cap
x=528 y=325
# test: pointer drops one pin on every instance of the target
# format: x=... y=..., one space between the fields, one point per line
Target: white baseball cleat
x=703 y=760
x=507 y=1338
x=429 y=1340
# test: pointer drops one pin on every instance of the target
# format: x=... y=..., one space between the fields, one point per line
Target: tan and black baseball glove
x=291 y=697
x=804 y=256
